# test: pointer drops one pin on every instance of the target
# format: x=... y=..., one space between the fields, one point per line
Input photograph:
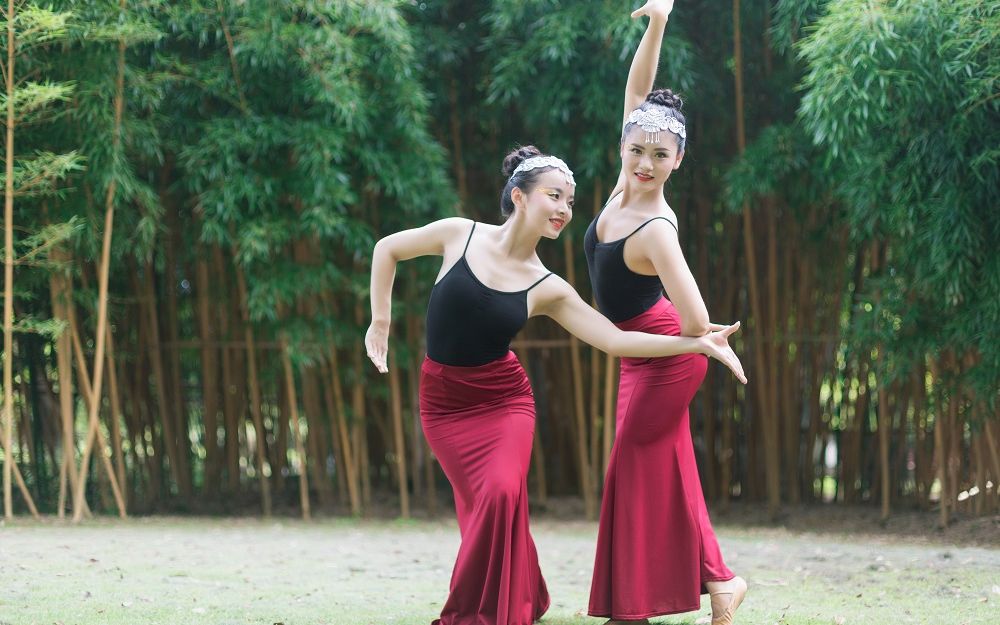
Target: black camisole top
x=620 y=292
x=468 y=323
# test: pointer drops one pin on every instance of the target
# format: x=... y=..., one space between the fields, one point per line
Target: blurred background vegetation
x=193 y=191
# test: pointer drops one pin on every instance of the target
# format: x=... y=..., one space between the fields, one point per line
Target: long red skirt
x=655 y=545
x=480 y=422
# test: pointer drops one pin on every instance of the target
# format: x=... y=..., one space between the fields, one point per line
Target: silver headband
x=545 y=161
x=653 y=121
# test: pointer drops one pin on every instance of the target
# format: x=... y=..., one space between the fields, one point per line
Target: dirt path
x=228 y=572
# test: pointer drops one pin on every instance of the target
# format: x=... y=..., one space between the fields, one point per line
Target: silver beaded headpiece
x=545 y=161
x=654 y=121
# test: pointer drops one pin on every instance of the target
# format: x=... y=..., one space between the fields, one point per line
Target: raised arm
x=643 y=70
x=430 y=240
x=563 y=304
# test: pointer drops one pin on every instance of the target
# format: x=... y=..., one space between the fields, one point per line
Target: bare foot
x=726 y=597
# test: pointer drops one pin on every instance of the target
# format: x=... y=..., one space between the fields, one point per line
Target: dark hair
x=664 y=99
x=524 y=180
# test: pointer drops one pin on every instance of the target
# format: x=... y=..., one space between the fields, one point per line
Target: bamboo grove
x=193 y=191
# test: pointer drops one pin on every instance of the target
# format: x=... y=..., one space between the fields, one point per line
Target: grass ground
x=348 y=572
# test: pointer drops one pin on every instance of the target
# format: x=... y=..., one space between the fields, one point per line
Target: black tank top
x=620 y=292
x=468 y=323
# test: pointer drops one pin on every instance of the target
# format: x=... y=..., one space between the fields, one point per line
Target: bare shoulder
x=660 y=229
x=453 y=225
x=451 y=230
x=549 y=293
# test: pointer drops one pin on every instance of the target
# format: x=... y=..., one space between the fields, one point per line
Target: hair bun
x=517 y=157
x=665 y=97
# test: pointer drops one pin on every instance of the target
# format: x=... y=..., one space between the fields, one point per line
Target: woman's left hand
x=655 y=9
x=717 y=346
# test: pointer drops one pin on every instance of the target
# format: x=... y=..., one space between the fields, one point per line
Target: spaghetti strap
x=643 y=225
x=469 y=239
x=611 y=198
x=538 y=282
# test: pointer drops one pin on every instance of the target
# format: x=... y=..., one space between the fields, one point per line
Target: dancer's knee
x=502 y=488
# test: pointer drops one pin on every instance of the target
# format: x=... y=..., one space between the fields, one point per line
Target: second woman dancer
x=656 y=550
x=476 y=405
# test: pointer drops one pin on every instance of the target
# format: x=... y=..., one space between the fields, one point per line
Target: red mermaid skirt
x=655 y=545
x=479 y=422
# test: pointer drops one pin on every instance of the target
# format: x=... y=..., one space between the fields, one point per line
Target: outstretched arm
x=563 y=304
x=643 y=70
x=426 y=241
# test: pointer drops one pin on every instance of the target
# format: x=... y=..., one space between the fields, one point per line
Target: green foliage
x=300 y=121
x=566 y=79
x=907 y=91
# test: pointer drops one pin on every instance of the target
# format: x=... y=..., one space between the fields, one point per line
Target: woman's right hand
x=716 y=345
x=377 y=344
x=655 y=9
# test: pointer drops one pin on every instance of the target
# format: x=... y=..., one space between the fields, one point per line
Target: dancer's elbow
x=383 y=251
x=696 y=326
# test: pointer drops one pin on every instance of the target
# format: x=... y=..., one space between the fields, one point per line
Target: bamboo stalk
x=8 y=274
x=350 y=466
x=336 y=445
x=360 y=431
x=398 y=439
x=64 y=367
x=884 y=432
x=230 y=418
x=941 y=454
x=116 y=413
x=177 y=404
x=610 y=369
x=209 y=373
x=102 y=298
x=159 y=378
x=21 y=486
x=95 y=437
x=992 y=445
x=586 y=488
x=766 y=408
x=315 y=439
x=296 y=431
x=260 y=434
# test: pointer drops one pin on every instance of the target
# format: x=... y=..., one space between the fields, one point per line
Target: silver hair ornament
x=655 y=120
x=545 y=161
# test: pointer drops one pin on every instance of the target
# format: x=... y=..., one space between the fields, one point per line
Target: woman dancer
x=476 y=405
x=656 y=551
